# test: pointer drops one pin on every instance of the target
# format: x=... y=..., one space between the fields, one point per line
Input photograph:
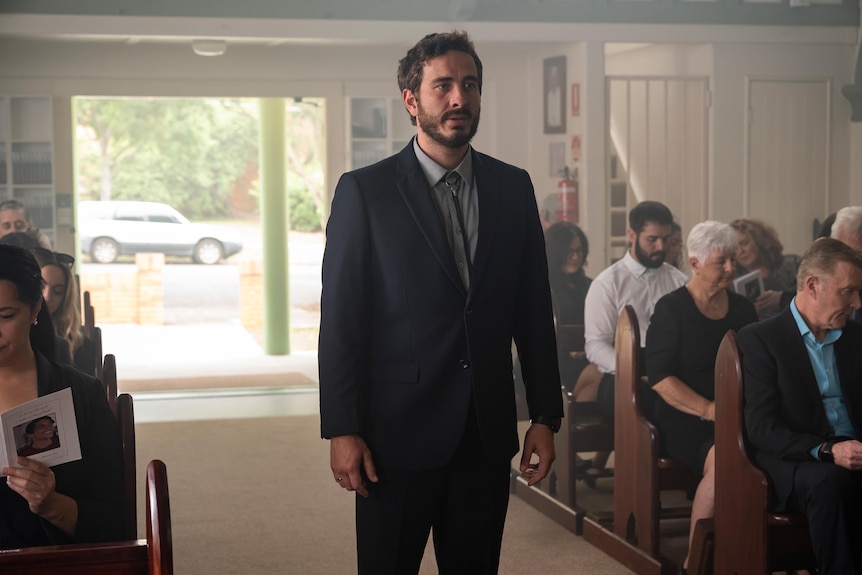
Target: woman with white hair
x=681 y=344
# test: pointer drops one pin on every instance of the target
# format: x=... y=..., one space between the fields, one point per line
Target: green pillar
x=274 y=222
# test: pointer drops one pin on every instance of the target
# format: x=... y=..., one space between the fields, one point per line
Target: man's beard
x=431 y=126
x=646 y=260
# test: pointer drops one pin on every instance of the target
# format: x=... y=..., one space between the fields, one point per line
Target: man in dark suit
x=803 y=402
x=434 y=262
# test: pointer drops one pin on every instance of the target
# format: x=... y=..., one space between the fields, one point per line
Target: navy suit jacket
x=403 y=346
x=784 y=414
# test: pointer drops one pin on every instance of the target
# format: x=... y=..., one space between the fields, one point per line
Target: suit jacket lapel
x=488 y=186
x=846 y=355
x=798 y=359
x=413 y=187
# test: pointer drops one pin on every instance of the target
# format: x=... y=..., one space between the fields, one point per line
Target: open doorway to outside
x=169 y=232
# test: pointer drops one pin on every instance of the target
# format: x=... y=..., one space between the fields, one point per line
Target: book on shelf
x=44 y=429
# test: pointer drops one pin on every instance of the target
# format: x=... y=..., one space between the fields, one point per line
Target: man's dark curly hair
x=433 y=45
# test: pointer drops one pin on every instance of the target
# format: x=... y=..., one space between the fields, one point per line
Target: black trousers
x=464 y=504
x=831 y=497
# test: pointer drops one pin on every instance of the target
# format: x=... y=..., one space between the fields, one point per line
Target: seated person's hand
x=848 y=454
x=34 y=482
x=768 y=299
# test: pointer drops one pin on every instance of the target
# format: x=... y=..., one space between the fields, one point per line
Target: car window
x=129 y=214
x=163 y=218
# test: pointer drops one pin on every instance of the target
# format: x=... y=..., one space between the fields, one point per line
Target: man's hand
x=346 y=454
x=848 y=454
x=539 y=440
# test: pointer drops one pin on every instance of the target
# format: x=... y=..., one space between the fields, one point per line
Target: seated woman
x=77 y=502
x=567 y=249
x=61 y=295
x=681 y=344
x=760 y=249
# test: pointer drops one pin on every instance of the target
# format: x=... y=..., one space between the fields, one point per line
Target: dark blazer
x=403 y=346
x=784 y=415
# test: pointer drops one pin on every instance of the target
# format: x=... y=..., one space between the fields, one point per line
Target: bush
x=304 y=216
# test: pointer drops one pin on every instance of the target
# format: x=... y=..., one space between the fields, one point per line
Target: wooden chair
x=150 y=556
x=749 y=538
x=641 y=473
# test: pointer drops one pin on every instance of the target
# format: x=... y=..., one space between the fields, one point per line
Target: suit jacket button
x=464 y=363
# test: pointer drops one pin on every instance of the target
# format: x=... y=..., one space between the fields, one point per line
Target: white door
x=657 y=150
x=787 y=183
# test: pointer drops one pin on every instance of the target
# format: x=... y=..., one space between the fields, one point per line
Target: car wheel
x=208 y=251
x=104 y=250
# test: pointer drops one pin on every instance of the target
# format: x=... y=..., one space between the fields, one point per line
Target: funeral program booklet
x=43 y=429
x=750 y=285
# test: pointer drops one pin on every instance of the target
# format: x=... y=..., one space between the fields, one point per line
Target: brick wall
x=136 y=295
x=133 y=296
x=251 y=294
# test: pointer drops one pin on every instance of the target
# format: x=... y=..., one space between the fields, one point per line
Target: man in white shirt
x=640 y=279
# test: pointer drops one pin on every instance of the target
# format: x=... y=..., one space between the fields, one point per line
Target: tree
x=186 y=153
x=305 y=153
x=191 y=153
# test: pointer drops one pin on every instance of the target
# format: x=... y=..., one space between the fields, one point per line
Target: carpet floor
x=255 y=496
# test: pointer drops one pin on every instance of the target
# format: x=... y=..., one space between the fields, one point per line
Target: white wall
x=511 y=125
x=736 y=62
x=113 y=68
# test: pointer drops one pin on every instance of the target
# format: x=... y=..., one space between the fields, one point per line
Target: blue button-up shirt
x=822 y=356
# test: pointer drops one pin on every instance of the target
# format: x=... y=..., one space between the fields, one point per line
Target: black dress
x=95 y=482
x=570 y=292
x=682 y=342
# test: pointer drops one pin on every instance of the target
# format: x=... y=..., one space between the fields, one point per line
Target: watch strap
x=825 y=452
x=552 y=422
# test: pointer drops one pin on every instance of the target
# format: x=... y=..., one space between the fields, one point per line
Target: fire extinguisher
x=568 y=193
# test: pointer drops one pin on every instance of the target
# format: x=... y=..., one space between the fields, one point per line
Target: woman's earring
x=36 y=321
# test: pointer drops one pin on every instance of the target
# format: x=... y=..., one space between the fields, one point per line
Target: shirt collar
x=434 y=172
x=832 y=335
x=635 y=267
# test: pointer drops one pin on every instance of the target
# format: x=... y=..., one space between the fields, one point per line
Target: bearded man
x=639 y=279
x=434 y=262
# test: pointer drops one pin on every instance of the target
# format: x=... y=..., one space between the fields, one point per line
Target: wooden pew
x=126 y=418
x=749 y=538
x=124 y=409
x=585 y=429
x=632 y=538
x=150 y=556
x=109 y=380
x=89 y=315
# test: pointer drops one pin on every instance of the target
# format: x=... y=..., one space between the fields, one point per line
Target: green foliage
x=194 y=153
x=186 y=153
x=304 y=216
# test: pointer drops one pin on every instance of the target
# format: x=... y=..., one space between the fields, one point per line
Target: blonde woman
x=61 y=294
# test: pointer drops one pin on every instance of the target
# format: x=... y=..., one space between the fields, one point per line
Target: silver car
x=113 y=228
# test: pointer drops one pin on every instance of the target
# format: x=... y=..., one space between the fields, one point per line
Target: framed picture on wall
x=554 y=95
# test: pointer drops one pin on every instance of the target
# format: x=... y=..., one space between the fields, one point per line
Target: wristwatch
x=552 y=422
x=825 y=452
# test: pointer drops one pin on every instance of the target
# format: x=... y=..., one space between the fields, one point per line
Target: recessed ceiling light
x=209 y=47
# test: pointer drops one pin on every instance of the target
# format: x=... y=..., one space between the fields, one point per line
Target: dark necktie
x=454 y=181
